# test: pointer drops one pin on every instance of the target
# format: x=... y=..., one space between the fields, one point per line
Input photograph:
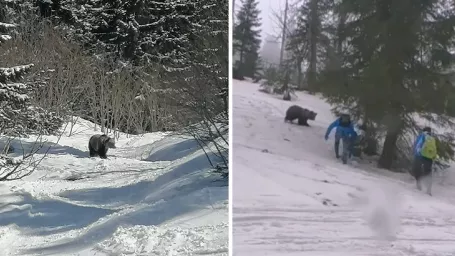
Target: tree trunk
x=340 y=33
x=314 y=23
x=389 y=150
x=286 y=93
x=283 y=36
x=239 y=71
x=233 y=17
x=299 y=75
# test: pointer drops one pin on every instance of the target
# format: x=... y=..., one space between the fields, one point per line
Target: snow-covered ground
x=154 y=195
x=291 y=196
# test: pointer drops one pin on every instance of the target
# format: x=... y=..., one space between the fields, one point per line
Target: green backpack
x=429 y=147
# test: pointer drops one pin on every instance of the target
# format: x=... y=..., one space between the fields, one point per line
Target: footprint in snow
x=328 y=202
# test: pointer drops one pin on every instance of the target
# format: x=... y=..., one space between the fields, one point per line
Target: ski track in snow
x=291 y=196
x=154 y=195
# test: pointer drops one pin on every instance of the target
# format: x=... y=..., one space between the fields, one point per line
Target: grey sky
x=269 y=22
x=267 y=7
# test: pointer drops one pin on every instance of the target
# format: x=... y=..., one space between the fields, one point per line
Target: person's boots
x=429 y=181
x=344 y=159
x=344 y=155
x=351 y=149
x=419 y=184
x=345 y=151
x=337 y=149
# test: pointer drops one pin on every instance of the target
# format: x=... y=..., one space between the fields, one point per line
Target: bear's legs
x=102 y=152
x=303 y=121
x=91 y=150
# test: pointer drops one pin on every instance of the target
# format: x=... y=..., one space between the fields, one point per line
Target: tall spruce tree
x=246 y=38
x=393 y=57
x=137 y=31
x=170 y=46
x=297 y=47
x=309 y=41
x=18 y=115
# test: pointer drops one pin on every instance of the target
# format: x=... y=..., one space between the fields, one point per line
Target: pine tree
x=202 y=87
x=391 y=66
x=137 y=31
x=310 y=41
x=155 y=41
x=18 y=117
x=297 y=47
x=206 y=66
x=246 y=37
x=169 y=45
x=168 y=31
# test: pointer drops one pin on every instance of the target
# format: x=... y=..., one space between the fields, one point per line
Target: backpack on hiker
x=429 y=149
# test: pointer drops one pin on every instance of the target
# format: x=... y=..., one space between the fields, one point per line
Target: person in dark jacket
x=344 y=131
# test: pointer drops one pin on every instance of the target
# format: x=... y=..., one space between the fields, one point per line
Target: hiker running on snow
x=425 y=152
x=344 y=131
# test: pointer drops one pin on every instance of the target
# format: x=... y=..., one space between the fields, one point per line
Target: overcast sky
x=267 y=8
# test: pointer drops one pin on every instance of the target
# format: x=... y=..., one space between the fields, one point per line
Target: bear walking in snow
x=302 y=114
x=99 y=144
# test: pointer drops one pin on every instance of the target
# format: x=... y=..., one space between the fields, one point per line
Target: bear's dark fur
x=99 y=144
x=302 y=114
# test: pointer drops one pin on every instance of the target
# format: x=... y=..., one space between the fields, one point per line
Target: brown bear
x=302 y=114
x=99 y=144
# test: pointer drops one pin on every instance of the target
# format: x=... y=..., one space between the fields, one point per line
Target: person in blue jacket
x=344 y=131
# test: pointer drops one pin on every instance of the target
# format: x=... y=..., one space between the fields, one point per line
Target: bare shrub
x=80 y=85
x=14 y=168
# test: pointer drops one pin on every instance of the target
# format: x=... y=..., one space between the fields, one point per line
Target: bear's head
x=312 y=115
x=109 y=142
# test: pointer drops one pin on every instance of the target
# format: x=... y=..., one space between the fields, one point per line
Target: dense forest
x=388 y=63
x=127 y=65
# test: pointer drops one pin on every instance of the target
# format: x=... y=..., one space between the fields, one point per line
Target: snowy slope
x=291 y=196
x=154 y=195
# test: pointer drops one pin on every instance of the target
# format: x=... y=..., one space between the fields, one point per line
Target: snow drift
x=154 y=195
x=291 y=196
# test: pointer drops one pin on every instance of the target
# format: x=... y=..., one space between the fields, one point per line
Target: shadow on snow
x=135 y=193
x=25 y=147
x=174 y=151
x=49 y=216
x=166 y=197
